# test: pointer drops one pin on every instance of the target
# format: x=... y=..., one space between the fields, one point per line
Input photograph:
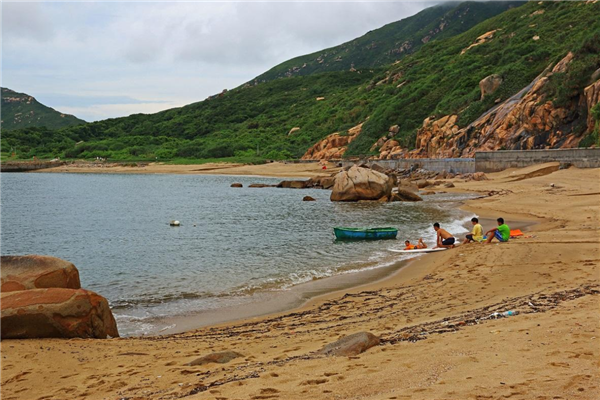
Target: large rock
x=221 y=357
x=56 y=313
x=324 y=182
x=361 y=184
x=489 y=84
x=407 y=195
x=34 y=272
x=350 y=345
x=294 y=184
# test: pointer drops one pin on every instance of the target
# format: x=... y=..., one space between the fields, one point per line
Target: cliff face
x=527 y=120
x=333 y=146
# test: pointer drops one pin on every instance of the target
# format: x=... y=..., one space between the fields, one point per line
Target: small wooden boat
x=365 y=233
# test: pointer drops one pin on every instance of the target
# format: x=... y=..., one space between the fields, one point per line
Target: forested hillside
x=440 y=79
x=20 y=110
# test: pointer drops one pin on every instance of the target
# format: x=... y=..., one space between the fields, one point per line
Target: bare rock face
x=361 y=184
x=528 y=120
x=56 y=313
x=333 y=146
x=293 y=130
x=34 y=272
x=490 y=84
x=220 y=357
x=351 y=345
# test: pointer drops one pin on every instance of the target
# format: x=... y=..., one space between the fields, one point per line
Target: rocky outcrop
x=333 y=146
x=592 y=97
x=56 y=313
x=350 y=345
x=489 y=84
x=34 y=272
x=361 y=184
x=486 y=37
x=528 y=120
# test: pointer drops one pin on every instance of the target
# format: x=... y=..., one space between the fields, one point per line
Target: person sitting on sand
x=444 y=239
x=419 y=245
x=477 y=234
x=502 y=232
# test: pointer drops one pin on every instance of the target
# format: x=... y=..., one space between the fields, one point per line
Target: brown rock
x=237 y=185
x=333 y=146
x=479 y=176
x=259 y=185
x=423 y=183
x=56 y=313
x=294 y=184
x=308 y=198
x=428 y=193
x=220 y=357
x=449 y=185
x=351 y=345
x=407 y=195
x=361 y=184
x=490 y=84
x=33 y=271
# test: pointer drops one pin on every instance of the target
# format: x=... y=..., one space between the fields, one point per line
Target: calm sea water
x=232 y=243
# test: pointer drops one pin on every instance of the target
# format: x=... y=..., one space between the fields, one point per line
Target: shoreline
x=438 y=340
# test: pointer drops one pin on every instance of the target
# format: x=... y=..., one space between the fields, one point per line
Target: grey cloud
x=26 y=21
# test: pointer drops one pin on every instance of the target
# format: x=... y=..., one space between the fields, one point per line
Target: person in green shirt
x=502 y=232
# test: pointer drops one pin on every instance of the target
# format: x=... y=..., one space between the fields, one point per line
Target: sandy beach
x=433 y=317
x=274 y=169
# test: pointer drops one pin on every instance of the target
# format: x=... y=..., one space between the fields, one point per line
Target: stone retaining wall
x=493 y=161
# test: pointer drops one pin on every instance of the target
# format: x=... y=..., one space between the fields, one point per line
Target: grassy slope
x=439 y=80
x=28 y=112
x=383 y=46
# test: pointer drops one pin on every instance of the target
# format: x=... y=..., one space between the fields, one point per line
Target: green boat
x=365 y=233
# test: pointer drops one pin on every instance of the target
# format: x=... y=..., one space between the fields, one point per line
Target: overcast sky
x=110 y=59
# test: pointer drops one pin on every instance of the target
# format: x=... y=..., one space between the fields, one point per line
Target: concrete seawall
x=493 y=161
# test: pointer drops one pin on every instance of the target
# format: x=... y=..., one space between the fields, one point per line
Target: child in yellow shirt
x=477 y=234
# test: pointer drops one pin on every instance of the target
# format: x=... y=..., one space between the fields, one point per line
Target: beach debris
x=350 y=345
x=174 y=223
x=220 y=357
x=236 y=185
x=56 y=313
x=36 y=272
x=308 y=198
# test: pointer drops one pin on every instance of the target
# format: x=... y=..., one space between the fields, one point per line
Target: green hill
x=440 y=78
x=19 y=110
x=393 y=41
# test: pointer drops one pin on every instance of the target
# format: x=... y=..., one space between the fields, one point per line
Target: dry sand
x=275 y=169
x=437 y=342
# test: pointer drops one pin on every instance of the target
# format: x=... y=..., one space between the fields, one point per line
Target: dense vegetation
x=254 y=121
x=393 y=41
x=20 y=110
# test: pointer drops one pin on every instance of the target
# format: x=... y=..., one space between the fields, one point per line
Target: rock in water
x=308 y=198
x=361 y=184
x=350 y=345
x=56 y=313
x=406 y=195
x=35 y=272
x=236 y=185
x=221 y=357
x=294 y=184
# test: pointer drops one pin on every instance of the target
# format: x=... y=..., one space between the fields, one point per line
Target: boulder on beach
x=236 y=185
x=220 y=357
x=350 y=345
x=56 y=313
x=361 y=184
x=406 y=195
x=35 y=272
x=449 y=185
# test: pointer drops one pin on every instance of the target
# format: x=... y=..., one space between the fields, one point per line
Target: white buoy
x=174 y=223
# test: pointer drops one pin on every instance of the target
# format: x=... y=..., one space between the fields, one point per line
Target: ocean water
x=232 y=246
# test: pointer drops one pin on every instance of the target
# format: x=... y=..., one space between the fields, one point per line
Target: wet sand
x=433 y=317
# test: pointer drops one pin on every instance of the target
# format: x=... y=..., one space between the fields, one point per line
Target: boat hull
x=365 y=233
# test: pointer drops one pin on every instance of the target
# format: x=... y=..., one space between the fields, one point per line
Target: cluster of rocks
x=42 y=298
x=317 y=182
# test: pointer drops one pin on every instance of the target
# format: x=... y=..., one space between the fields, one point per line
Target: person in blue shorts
x=501 y=233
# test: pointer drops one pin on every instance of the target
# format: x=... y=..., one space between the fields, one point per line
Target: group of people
x=444 y=239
